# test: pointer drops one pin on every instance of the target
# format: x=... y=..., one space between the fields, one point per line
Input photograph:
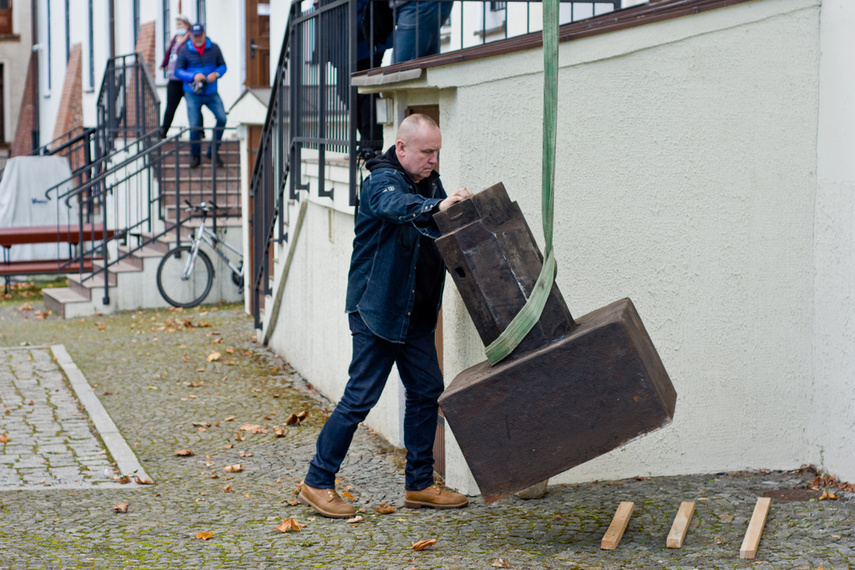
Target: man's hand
x=457 y=196
x=213 y=76
x=199 y=77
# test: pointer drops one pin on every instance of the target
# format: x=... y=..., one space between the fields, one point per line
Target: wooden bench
x=48 y=234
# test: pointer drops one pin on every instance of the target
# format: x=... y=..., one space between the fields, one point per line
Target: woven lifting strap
x=523 y=322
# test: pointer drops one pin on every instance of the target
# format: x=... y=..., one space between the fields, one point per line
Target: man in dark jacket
x=394 y=291
x=200 y=64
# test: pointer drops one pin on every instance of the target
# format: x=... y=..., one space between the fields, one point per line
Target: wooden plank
x=755 y=528
x=681 y=525
x=52 y=234
x=618 y=526
x=45 y=267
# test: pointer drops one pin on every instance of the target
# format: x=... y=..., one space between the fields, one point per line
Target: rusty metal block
x=573 y=390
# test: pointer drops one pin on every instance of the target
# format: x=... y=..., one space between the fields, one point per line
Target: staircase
x=153 y=187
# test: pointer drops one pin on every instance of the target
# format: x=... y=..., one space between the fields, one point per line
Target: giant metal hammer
x=571 y=391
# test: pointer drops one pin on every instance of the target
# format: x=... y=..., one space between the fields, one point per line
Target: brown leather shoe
x=326 y=501
x=435 y=497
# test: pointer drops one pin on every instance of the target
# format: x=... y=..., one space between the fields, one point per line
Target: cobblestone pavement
x=158 y=378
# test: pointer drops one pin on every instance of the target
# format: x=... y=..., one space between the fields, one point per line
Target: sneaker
x=326 y=502
x=218 y=161
x=435 y=497
x=195 y=161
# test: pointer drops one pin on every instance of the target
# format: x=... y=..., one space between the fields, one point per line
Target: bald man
x=394 y=290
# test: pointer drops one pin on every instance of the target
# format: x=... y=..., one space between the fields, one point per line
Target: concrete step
x=87 y=282
x=60 y=298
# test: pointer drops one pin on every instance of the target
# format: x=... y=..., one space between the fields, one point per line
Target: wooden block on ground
x=681 y=525
x=618 y=526
x=755 y=528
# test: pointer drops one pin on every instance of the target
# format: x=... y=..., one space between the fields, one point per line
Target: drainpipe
x=34 y=20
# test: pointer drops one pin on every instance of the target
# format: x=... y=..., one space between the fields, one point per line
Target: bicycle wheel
x=177 y=290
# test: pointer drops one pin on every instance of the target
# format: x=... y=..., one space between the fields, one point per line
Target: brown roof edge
x=639 y=15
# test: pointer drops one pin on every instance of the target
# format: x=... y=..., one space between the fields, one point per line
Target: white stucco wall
x=832 y=424
x=686 y=180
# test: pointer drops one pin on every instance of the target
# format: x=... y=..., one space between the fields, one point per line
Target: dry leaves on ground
x=499 y=563
x=297 y=418
x=236 y=468
x=140 y=481
x=253 y=428
x=290 y=525
x=5 y=437
x=184 y=453
x=422 y=544
x=227 y=489
x=121 y=507
x=279 y=431
x=204 y=535
x=213 y=357
x=356 y=519
x=384 y=509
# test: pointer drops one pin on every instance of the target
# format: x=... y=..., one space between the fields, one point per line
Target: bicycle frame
x=203 y=234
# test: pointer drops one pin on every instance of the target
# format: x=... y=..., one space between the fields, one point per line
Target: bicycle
x=181 y=280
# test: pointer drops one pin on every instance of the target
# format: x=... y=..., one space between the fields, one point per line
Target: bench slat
x=44 y=267
x=53 y=234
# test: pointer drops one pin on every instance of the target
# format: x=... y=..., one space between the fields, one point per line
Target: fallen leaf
x=5 y=437
x=124 y=480
x=296 y=418
x=214 y=356
x=347 y=496
x=279 y=431
x=290 y=525
x=228 y=419
x=422 y=544
x=227 y=489
x=499 y=563
x=356 y=519
x=384 y=509
x=195 y=385
x=121 y=507
x=245 y=454
x=140 y=481
x=204 y=535
x=239 y=437
x=236 y=468
x=293 y=502
x=184 y=453
x=253 y=428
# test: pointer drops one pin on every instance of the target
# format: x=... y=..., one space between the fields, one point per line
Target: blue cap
x=197 y=30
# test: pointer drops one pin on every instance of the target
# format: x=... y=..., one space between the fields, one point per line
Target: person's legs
x=418 y=28
x=215 y=104
x=370 y=365
x=194 y=117
x=419 y=367
x=174 y=93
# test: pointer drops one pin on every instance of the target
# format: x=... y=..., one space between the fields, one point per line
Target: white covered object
x=23 y=202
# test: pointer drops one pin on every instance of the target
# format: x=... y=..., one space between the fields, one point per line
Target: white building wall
x=832 y=425
x=686 y=180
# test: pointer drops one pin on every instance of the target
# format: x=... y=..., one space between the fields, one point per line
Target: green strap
x=528 y=316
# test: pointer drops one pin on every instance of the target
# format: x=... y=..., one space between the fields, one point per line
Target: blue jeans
x=194 y=115
x=418 y=23
x=370 y=366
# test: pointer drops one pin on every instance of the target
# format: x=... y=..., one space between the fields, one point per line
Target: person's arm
x=386 y=199
x=180 y=65
x=167 y=53
x=221 y=66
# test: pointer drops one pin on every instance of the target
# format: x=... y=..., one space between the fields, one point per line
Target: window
x=201 y=12
x=5 y=16
x=136 y=23
x=498 y=6
x=91 y=44
x=67 y=32
x=167 y=26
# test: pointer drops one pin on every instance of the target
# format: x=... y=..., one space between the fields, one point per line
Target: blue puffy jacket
x=190 y=63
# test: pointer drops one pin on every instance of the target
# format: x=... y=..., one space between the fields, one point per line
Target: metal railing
x=128 y=105
x=313 y=104
x=137 y=195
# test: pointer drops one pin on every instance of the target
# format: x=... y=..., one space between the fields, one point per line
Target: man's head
x=197 y=34
x=417 y=146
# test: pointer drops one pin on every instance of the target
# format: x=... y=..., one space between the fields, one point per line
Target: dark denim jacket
x=392 y=217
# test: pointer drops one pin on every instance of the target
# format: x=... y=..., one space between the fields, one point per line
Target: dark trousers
x=370 y=366
x=174 y=93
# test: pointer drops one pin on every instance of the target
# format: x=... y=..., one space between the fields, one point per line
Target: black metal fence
x=313 y=104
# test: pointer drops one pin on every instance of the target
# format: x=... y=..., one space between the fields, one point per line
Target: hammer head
x=553 y=408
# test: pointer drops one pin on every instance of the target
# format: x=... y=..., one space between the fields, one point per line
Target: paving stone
x=55 y=527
